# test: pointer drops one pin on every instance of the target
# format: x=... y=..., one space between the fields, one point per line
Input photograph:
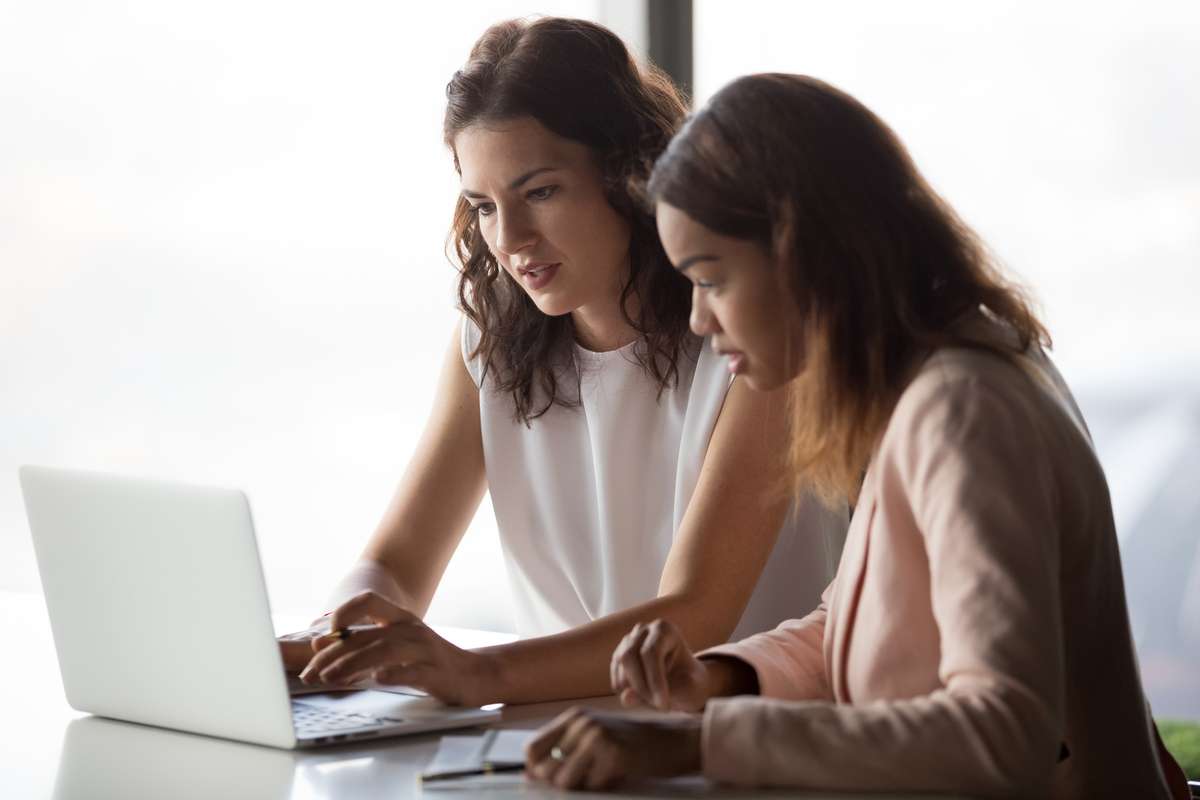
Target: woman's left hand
x=589 y=749
x=400 y=650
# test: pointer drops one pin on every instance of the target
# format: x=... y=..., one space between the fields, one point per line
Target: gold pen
x=342 y=634
x=486 y=769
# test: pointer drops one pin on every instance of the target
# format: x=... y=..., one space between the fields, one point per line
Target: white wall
x=221 y=260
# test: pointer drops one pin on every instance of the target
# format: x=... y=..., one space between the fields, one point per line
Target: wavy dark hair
x=879 y=267
x=579 y=81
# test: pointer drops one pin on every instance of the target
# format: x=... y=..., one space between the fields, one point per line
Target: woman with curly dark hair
x=575 y=394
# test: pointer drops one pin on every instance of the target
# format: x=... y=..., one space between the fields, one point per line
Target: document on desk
x=497 y=755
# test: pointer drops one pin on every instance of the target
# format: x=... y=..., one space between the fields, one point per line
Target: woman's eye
x=541 y=193
x=484 y=209
x=706 y=284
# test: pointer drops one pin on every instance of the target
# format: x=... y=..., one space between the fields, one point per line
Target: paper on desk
x=507 y=747
x=461 y=754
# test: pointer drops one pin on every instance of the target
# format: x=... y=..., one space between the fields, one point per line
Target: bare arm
x=439 y=493
x=429 y=512
x=723 y=543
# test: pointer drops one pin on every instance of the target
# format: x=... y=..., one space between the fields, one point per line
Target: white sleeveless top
x=588 y=499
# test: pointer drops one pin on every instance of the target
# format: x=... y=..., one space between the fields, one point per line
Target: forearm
x=575 y=663
x=439 y=493
x=368 y=575
x=417 y=536
x=976 y=740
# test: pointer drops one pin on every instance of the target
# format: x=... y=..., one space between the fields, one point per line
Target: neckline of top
x=600 y=356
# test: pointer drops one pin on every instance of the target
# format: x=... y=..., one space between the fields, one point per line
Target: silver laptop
x=160 y=616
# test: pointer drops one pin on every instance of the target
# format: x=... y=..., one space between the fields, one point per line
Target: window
x=1065 y=133
x=221 y=260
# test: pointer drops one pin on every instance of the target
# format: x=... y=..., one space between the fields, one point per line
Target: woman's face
x=737 y=299
x=542 y=210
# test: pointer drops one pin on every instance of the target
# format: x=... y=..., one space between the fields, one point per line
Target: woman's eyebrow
x=515 y=184
x=690 y=260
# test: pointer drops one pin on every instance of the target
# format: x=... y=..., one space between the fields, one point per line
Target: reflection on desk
x=104 y=758
x=113 y=760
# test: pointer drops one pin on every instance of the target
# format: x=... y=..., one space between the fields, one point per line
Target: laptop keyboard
x=312 y=721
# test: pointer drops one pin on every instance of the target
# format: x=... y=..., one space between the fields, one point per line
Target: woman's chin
x=762 y=380
x=552 y=306
x=757 y=383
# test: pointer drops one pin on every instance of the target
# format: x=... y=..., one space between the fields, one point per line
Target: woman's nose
x=514 y=232
x=702 y=320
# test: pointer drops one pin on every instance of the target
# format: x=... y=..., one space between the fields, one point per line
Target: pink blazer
x=977 y=623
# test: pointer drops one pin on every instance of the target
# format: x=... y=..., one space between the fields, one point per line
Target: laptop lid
x=157 y=603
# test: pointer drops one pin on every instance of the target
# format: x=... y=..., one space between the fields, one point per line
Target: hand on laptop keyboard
x=296 y=648
x=399 y=649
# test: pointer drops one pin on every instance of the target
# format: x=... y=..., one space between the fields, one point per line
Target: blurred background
x=222 y=232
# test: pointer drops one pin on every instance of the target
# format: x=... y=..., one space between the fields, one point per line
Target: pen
x=342 y=634
x=486 y=769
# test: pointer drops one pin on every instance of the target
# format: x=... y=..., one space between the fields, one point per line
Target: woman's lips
x=736 y=361
x=537 y=277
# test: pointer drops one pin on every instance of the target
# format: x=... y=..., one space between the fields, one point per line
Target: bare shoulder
x=748 y=410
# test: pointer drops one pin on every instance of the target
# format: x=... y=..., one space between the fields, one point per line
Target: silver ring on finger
x=558 y=754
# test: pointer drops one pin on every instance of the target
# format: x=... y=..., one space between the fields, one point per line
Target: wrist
x=367 y=575
x=716 y=678
x=486 y=677
x=726 y=676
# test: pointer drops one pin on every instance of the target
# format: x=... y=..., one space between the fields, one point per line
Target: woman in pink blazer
x=975 y=639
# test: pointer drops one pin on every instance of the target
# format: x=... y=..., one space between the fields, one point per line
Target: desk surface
x=48 y=750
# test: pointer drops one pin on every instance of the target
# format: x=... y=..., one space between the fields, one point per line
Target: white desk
x=48 y=750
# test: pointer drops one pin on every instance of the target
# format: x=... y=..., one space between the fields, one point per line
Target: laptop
x=160 y=616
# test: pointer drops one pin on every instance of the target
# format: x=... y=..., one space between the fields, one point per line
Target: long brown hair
x=578 y=80
x=879 y=266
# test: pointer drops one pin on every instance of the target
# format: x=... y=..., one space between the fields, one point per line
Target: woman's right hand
x=297 y=649
x=653 y=667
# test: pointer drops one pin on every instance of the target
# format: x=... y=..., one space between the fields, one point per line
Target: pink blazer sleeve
x=789 y=660
x=967 y=461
